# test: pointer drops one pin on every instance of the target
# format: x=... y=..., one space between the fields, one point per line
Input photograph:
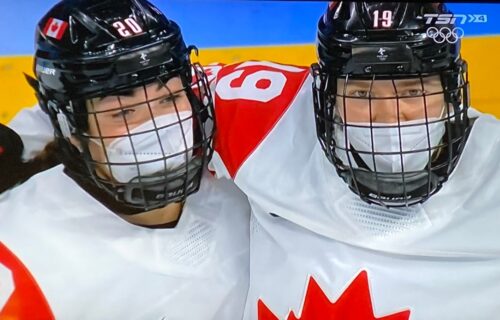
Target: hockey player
x=374 y=194
x=131 y=226
x=320 y=250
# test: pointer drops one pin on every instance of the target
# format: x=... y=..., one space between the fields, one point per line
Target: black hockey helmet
x=365 y=42
x=91 y=49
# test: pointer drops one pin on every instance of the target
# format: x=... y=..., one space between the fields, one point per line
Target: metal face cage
x=146 y=146
x=394 y=139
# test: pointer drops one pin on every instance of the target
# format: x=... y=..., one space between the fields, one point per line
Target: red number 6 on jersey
x=256 y=81
x=250 y=98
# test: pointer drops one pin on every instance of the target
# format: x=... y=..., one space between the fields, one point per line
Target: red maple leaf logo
x=54 y=27
x=354 y=304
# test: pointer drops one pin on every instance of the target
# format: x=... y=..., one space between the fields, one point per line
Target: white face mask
x=387 y=140
x=148 y=146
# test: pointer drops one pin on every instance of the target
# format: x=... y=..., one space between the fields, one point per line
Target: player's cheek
x=436 y=105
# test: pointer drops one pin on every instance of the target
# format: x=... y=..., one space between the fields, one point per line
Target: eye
x=169 y=99
x=414 y=92
x=124 y=113
x=360 y=93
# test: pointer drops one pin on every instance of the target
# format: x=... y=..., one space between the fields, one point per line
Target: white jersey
x=317 y=250
x=63 y=255
x=34 y=127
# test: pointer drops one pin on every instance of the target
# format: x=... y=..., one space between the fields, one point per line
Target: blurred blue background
x=221 y=23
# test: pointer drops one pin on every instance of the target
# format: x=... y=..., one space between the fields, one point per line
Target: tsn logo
x=448 y=18
x=384 y=19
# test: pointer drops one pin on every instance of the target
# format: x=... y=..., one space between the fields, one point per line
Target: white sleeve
x=34 y=127
x=473 y=113
x=217 y=167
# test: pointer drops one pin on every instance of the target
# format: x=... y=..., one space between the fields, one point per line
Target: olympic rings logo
x=445 y=34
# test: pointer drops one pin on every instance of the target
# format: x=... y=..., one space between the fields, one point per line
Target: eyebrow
x=131 y=92
x=355 y=84
x=425 y=81
x=162 y=84
x=398 y=82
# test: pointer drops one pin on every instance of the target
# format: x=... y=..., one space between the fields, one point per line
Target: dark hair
x=13 y=171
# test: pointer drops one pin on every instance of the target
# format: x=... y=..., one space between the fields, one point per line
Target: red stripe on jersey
x=26 y=301
x=249 y=100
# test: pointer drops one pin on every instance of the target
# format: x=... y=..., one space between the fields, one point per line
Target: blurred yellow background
x=480 y=52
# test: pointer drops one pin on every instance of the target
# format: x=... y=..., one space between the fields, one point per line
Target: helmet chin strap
x=359 y=162
x=153 y=189
x=343 y=155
